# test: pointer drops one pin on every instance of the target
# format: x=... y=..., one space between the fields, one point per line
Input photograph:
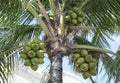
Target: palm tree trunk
x=56 y=69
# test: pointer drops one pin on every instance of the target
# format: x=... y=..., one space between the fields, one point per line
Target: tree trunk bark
x=56 y=69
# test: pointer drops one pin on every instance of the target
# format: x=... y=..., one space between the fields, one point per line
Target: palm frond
x=104 y=15
x=97 y=36
x=115 y=71
x=101 y=39
x=19 y=34
x=10 y=11
x=10 y=42
x=82 y=41
x=108 y=64
x=45 y=76
x=6 y=68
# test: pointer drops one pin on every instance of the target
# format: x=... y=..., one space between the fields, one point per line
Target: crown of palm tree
x=16 y=26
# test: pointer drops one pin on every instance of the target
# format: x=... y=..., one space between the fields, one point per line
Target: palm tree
x=63 y=36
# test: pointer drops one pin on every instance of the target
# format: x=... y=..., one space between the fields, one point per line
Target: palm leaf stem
x=18 y=50
x=43 y=26
x=62 y=18
x=52 y=7
x=82 y=27
x=6 y=51
x=92 y=48
x=83 y=4
x=44 y=12
x=61 y=24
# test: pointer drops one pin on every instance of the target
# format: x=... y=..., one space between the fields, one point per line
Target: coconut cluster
x=84 y=63
x=33 y=53
x=74 y=16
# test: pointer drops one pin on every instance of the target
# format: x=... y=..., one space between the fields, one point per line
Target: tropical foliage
x=61 y=31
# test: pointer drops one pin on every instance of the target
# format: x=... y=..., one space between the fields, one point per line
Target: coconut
x=86 y=75
x=28 y=44
x=84 y=67
x=94 y=60
x=73 y=15
x=74 y=21
x=78 y=12
x=40 y=61
x=22 y=52
x=80 y=20
x=75 y=57
x=93 y=71
x=69 y=12
x=26 y=49
x=42 y=45
x=91 y=65
x=34 y=67
x=78 y=70
x=35 y=41
x=80 y=61
x=35 y=46
x=40 y=54
x=88 y=59
x=34 y=61
x=67 y=18
x=84 y=52
x=31 y=54
x=27 y=62
x=75 y=9
x=23 y=56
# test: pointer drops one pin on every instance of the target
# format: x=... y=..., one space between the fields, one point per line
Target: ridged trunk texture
x=56 y=69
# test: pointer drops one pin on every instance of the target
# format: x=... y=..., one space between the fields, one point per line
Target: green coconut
x=26 y=49
x=22 y=52
x=95 y=60
x=35 y=41
x=40 y=54
x=28 y=44
x=86 y=75
x=91 y=65
x=35 y=46
x=93 y=71
x=67 y=18
x=75 y=9
x=74 y=21
x=69 y=12
x=44 y=50
x=73 y=15
x=84 y=67
x=75 y=57
x=84 y=52
x=80 y=20
x=78 y=12
x=82 y=14
x=27 y=62
x=31 y=54
x=40 y=61
x=35 y=61
x=42 y=45
x=88 y=59
x=34 y=67
x=78 y=70
x=80 y=61
x=24 y=56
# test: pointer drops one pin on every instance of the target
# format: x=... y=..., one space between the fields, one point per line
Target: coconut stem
x=92 y=79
